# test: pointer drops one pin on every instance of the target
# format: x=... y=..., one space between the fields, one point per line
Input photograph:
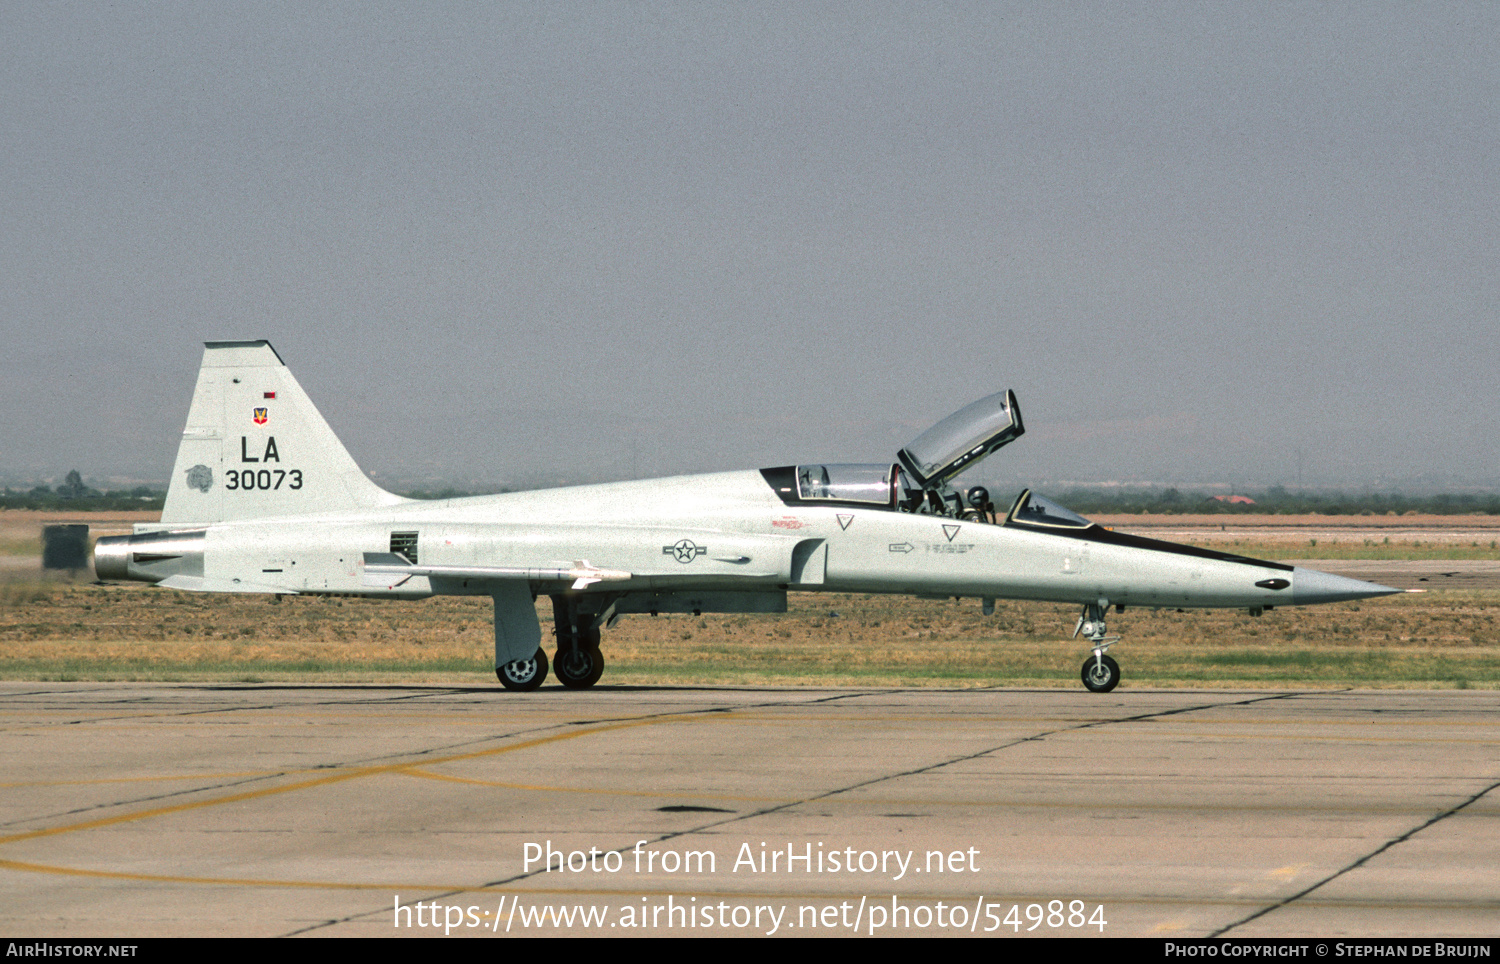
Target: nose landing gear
x=1100 y=673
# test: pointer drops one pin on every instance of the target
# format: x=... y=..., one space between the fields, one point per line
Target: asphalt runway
x=136 y=809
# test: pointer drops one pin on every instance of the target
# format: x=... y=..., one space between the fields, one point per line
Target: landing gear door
x=962 y=439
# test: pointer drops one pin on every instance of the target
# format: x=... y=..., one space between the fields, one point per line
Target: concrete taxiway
x=140 y=809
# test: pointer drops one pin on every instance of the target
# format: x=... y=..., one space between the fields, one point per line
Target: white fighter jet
x=264 y=499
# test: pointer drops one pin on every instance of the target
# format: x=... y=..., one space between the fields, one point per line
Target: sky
x=1238 y=243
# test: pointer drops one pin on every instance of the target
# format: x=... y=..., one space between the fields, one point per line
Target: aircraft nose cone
x=1310 y=586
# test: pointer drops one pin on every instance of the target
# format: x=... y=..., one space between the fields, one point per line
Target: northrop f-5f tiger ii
x=264 y=499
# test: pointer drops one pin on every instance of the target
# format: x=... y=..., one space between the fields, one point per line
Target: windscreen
x=845 y=483
x=1034 y=510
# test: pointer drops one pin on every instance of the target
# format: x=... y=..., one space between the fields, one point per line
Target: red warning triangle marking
x=844 y=520
x=951 y=531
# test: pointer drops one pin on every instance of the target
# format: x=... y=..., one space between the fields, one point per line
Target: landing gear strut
x=578 y=663
x=1100 y=673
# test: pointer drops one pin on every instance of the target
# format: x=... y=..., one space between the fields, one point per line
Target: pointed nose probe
x=1309 y=586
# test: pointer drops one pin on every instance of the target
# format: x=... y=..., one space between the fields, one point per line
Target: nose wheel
x=1100 y=673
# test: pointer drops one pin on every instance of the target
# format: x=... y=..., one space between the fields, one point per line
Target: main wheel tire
x=580 y=667
x=523 y=675
x=1101 y=679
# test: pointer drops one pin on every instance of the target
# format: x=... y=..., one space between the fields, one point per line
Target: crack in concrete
x=737 y=818
x=1356 y=864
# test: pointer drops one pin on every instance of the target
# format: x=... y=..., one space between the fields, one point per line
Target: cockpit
x=919 y=481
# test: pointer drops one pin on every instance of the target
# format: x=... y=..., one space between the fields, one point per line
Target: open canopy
x=962 y=439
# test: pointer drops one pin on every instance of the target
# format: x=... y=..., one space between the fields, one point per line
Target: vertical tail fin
x=255 y=446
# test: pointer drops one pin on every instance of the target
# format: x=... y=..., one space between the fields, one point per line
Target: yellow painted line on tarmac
x=542 y=788
x=335 y=777
x=102 y=781
x=743 y=895
x=573 y=892
x=195 y=805
x=224 y=881
x=412 y=769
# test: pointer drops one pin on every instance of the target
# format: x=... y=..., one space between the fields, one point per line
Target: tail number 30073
x=265 y=479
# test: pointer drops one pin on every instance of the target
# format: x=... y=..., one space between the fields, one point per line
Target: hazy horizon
x=1236 y=244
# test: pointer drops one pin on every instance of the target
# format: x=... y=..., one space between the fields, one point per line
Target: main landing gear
x=1100 y=673
x=524 y=674
x=578 y=663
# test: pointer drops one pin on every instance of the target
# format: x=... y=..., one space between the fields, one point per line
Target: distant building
x=1233 y=499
